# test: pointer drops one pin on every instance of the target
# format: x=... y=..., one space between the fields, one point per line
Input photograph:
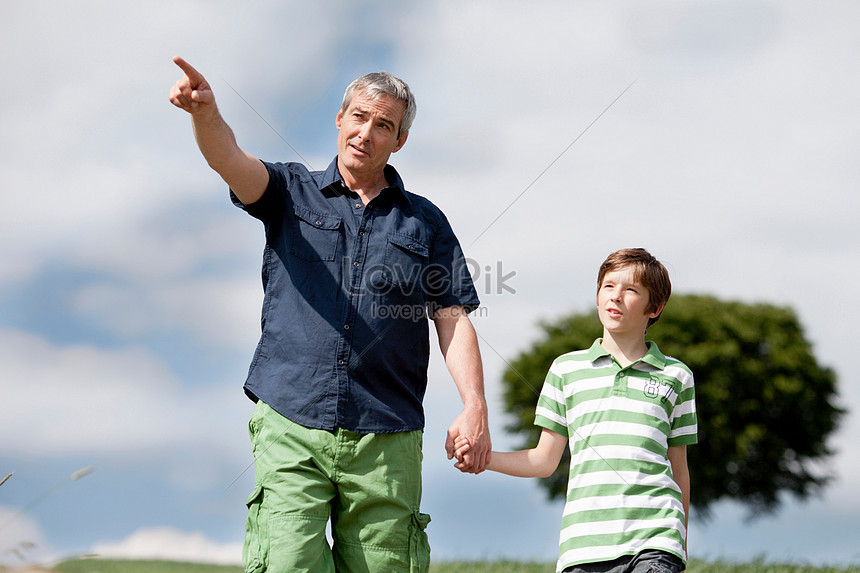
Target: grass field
x=118 y=566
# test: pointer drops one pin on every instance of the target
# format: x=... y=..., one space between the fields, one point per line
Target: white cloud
x=21 y=539
x=216 y=311
x=173 y=544
x=90 y=401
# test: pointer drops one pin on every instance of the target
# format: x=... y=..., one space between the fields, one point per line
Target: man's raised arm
x=243 y=172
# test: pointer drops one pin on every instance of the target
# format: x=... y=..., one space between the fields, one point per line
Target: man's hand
x=470 y=427
x=459 y=345
x=191 y=92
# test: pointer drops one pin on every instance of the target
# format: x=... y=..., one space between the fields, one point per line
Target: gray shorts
x=648 y=561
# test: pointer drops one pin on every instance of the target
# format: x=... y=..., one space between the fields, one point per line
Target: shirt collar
x=331 y=176
x=596 y=352
x=653 y=357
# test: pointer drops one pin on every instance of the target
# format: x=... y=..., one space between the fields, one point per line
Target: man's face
x=622 y=302
x=368 y=133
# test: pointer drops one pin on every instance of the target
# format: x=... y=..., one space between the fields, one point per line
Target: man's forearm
x=244 y=173
x=215 y=139
x=459 y=344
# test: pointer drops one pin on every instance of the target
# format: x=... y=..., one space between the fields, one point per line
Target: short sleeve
x=272 y=203
x=551 y=410
x=448 y=280
x=684 y=430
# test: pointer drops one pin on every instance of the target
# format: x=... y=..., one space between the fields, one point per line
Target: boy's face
x=622 y=302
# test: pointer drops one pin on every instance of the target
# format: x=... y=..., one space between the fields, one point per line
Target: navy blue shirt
x=348 y=292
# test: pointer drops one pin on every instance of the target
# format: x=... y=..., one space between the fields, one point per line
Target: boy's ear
x=657 y=312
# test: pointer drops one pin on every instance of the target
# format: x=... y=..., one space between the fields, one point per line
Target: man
x=353 y=266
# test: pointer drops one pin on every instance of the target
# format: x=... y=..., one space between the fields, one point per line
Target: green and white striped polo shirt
x=621 y=497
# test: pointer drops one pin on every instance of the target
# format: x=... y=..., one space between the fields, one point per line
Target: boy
x=627 y=412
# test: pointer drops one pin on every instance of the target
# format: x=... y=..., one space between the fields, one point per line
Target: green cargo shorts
x=369 y=485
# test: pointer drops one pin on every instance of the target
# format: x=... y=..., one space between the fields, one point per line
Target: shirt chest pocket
x=405 y=261
x=315 y=235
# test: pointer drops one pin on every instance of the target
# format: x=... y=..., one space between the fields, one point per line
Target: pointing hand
x=191 y=92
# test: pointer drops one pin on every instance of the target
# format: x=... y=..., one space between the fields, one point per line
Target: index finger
x=187 y=68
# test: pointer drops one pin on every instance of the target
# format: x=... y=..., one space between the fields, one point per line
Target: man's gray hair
x=379 y=83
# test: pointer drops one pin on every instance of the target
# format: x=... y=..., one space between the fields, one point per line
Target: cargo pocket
x=419 y=546
x=255 y=547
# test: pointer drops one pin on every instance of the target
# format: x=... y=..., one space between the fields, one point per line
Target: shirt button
x=355 y=264
x=358 y=205
x=621 y=374
x=340 y=361
x=346 y=327
x=361 y=233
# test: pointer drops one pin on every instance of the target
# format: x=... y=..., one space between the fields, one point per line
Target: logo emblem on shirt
x=655 y=387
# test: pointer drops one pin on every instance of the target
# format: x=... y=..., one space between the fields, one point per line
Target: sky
x=723 y=136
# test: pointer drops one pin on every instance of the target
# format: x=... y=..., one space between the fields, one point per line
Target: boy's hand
x=461 y=446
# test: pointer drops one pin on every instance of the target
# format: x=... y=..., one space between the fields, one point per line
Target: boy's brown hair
x=647 y=271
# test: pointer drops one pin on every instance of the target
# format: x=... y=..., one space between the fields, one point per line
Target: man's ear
x=338 y=118
x=401 y=141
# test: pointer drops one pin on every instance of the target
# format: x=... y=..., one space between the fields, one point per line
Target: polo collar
x=653 y=357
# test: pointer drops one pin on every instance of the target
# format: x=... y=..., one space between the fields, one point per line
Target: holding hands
x=470 y=431
x=540 y=461
x=461 y=447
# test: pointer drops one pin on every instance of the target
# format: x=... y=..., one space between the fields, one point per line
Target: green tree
x=765 y=405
